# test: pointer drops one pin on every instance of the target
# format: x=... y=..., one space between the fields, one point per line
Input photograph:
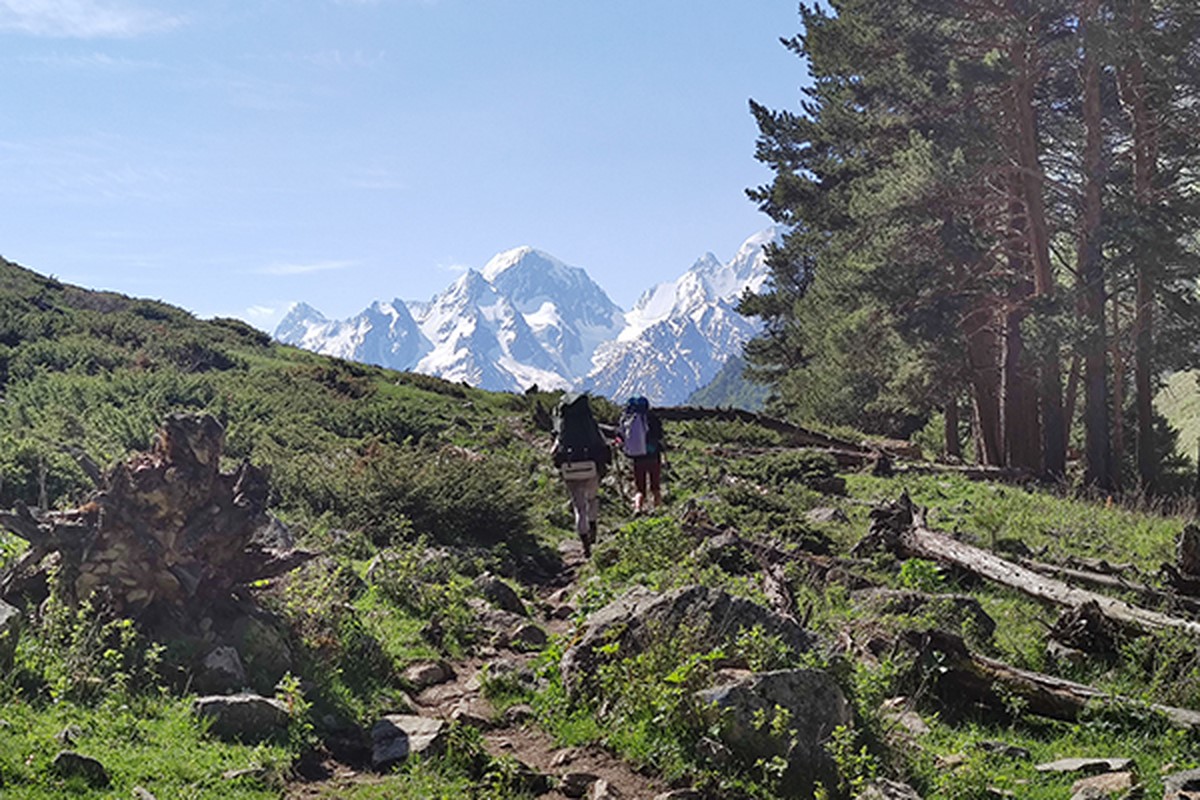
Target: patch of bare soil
x=513 y=734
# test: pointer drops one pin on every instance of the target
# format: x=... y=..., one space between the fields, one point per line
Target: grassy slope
x=366 y=460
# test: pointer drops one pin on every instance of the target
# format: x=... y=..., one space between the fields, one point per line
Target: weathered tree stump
x=165 y=527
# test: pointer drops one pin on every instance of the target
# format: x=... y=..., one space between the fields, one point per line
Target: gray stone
x=264 y=652
x=576 y=784
x=70 y=764
x=725 y=551
x=10 y=629
x=883 y=789
x=1182 y=785
x=500 y=594
x=679 y=794
x=528 y=637
x=519 y=714
x=603 y=790
x=1110 y=784
x=244 y=717
x=497 y=623
x=428 y=673
x=398 y=736
x=1090 y=766
x=142 y=794
x=69 y=735
x=809 y=705
x=825 y=516
x=221 y=671
x=708 y=617
x=273 y=535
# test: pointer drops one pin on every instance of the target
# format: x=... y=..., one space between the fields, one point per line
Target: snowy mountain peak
x=528 y=317
x=511 y=258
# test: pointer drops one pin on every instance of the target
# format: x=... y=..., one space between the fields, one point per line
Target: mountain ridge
x=527 y=318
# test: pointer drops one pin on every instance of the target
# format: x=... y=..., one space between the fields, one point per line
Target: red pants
x=648 y=469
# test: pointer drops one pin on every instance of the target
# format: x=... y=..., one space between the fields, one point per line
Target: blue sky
x=235 y=156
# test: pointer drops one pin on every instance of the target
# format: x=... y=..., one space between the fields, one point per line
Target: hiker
x=642 y=440
x=582 y=456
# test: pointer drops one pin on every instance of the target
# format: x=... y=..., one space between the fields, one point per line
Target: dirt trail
x=513 y=734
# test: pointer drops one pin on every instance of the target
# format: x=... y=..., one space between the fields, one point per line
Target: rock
x=519 y=714
x=69 y=764
x=576 y=784
x=726 y=552
x=565 y=611
x=528 y=637
x=69 y=735
x=10 y=629
x=827 y=516
x=812 y=706
x=397 y=736
x=953 y=611
x=1110 y=784
x=497 y=623
x=679 y=794
x=714 y=752
x=264 y=652
x=466 y=714
x=221 y=671
x=428 y=673
x=273 y=534
x=244 y=717
x=1182 y=785
x=896 y=711
x=142 y=794
x=1091 y=766
x=603 y=790
x=710 y=617
x=883 y=789
x=500 y=594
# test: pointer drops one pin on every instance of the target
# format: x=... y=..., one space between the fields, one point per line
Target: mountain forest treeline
x=993 y=207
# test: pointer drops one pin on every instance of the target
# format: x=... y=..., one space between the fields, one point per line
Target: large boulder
x=787 y=714
x=707 y=617
x=10 y=629
x=243 y=717
x=221 y=671
x=398 y=736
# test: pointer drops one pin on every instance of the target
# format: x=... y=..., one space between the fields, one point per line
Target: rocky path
x=454 y=691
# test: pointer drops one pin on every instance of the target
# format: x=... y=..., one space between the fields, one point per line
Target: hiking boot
x=589 y=539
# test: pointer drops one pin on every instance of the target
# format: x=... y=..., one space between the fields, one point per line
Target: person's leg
x=654 y=473
x=593 y=509
x=579 y=505
x=640 y=471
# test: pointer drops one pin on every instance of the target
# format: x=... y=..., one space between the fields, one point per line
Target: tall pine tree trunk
x=1145 y=158
x=1024 y=57
x=1098 y=471
x=979 y=332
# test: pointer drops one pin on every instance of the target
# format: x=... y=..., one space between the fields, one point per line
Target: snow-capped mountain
x=529 y=318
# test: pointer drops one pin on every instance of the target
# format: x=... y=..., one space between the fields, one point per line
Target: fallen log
x=794 y=433
x=900 y=527
x=964 y=679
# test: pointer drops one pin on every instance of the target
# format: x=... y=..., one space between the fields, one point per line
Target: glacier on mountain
x=528 y=318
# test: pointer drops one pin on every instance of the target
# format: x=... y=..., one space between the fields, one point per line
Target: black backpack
x=577 y=438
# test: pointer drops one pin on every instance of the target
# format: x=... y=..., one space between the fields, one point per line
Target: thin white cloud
x=88 y=61
x=453 y=267
x=83 y=19
x=306 y=269
x=260 y=312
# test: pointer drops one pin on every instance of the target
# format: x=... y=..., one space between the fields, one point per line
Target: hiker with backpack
x=641 y=439
x=582 y=457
